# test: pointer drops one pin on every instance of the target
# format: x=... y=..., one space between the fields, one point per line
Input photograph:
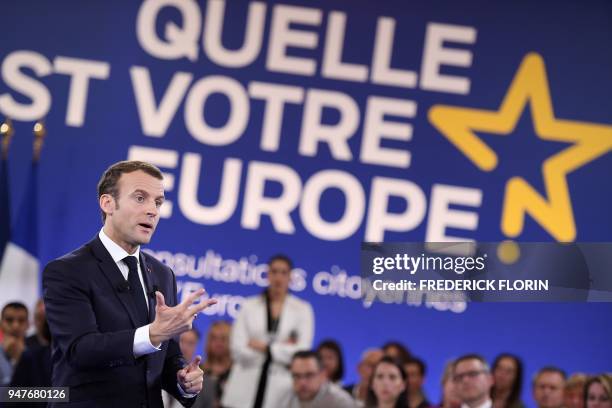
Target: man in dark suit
x=112 y=309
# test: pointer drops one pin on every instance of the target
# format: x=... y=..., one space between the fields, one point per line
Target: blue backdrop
x=331 y=123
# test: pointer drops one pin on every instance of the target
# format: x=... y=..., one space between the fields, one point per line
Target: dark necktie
x=136 y=290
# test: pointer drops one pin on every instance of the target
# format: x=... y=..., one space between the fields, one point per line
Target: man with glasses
x=473 y=381
x=310 y=386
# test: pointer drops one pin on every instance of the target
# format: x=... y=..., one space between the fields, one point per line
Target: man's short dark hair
x=472 y=356
x=418 y=362
x=281 y=257
x=110 y=178
x=13 y=305
x=306 y=354
x=548 y=369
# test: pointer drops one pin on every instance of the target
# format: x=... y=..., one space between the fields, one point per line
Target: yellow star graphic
x=589 y=141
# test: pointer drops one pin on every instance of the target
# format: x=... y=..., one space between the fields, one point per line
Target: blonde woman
x=598 y=392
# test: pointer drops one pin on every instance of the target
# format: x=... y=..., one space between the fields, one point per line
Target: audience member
x=473 y=380
x=218 y=357
x=548 y=385
x=450 y=397
x=311 y=386
x=14 y=325
x=218 y=361
x=396 y=350
x=188 y=342
x=598 y=392
x=268 y=331
x=507 y=373
x=359 y=390
x=333 y=362
x=415 y=370
x=34 y=367
x=388 y=385
x=573 y=394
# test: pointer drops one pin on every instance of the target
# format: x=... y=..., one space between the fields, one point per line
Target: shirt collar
x=321 y=393
x=487 y=404
x=115 y=251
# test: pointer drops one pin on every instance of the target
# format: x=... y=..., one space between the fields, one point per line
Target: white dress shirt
x=142 y=342
x=487 y=404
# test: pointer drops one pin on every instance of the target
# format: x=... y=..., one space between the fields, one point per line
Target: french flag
x=20 y=267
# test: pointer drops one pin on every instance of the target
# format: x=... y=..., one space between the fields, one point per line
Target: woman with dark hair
x=396 y=350
x=269 y=329
x=507 y=373
x=331 y=357
x=598 y=392
x=388 y=385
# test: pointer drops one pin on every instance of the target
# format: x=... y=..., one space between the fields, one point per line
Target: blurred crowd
x=389 y=376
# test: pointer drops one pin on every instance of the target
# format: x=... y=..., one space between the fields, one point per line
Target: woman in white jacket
x=269 y=329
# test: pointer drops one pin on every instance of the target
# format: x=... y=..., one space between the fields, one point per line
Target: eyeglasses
x=468 y=374
x=303 y=376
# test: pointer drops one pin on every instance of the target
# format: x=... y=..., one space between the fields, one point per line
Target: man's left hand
x=191 y=377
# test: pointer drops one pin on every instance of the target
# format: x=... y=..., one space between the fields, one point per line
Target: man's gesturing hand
x=172 y=321
x=191 y=377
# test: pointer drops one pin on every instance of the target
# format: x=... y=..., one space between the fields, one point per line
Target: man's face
x=472 y=381
x=14 y=322
x=307 y=378
x=279 y=275
x=188 y=343
x=548 y=390
x=415 y=378
x=366 y=366
x=133 y=217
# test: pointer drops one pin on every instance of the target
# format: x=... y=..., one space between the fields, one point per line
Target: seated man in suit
x=311 y=388
x=112 y=309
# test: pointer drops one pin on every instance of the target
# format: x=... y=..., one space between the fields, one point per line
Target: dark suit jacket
x=93 y=321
